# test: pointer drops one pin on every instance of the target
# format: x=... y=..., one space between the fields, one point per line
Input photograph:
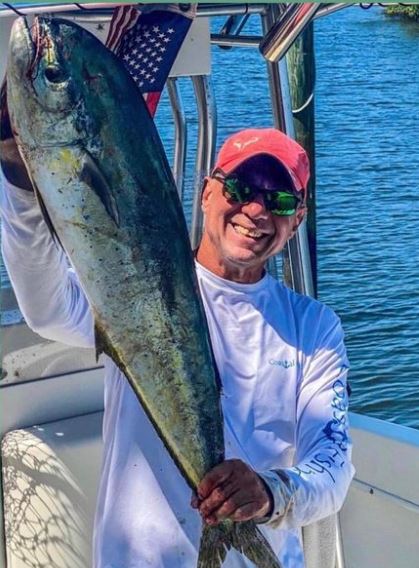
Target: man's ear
x=299 y=216
x=206 y=193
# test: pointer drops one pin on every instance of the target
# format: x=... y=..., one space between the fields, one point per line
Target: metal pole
x=181 y=134
x=105 y=9
x=301 y=73
x=296 y=257
x=268 y=20
x=286 y=29
x=233 y=41
x=340 y=556
x=326 y=9
x=230 y=9
x=205 y=153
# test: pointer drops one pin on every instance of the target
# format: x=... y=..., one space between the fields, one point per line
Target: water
x=367 y=185
x=368 y=176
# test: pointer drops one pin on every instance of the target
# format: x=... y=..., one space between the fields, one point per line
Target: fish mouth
x=26 y=32
x=34 y=38
x=22 y=45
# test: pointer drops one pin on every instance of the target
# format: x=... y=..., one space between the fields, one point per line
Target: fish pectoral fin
x=100 y=342
x=91 y=175
x=45 y=215
x=104 y=345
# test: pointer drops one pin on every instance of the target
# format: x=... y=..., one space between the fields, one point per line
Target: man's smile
x=253 y=232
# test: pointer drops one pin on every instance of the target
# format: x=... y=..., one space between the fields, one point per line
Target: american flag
x=147 y=40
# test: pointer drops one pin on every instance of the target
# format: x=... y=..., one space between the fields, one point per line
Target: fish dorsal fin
x=92 y=176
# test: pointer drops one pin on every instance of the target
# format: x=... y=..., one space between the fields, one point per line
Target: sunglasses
x=280 y=203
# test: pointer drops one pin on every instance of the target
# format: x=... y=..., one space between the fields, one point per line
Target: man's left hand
x=232 y=490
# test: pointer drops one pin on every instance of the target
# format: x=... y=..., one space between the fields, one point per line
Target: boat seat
x=50 y=480
x=45 y=359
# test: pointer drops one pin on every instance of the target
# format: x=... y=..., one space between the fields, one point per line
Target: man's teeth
x=248 y=232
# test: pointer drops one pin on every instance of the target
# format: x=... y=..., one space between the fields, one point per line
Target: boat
x=52 y=395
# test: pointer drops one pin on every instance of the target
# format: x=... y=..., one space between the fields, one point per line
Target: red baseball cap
x=249 y=143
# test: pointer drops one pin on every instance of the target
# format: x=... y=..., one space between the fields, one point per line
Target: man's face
x=239 y=238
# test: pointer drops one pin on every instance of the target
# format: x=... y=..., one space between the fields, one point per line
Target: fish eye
x=55 y=74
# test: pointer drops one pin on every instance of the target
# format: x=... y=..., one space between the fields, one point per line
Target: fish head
x=46 y=77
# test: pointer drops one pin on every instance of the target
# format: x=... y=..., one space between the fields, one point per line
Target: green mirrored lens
x=237 y=191
x=283 y=212
x=280 y=203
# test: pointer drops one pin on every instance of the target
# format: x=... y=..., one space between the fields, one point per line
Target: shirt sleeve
x=317 y=485
x=48 y=292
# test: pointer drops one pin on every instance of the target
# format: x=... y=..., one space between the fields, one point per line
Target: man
x=280 y=357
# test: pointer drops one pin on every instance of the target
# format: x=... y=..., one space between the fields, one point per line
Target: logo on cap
x=241 y=145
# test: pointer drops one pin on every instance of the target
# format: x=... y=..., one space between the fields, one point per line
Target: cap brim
x=238 y=162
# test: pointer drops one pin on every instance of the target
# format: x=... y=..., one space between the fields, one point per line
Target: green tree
x=411 y=12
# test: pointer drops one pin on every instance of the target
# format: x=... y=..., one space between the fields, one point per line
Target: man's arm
x=11 y=162
x=48 y=293
x=317 y=485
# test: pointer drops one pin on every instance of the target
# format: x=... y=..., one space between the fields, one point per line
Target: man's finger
x=217 y=497
x=230 y=505
x=237 y=507
x=218 y=475
x=194 y=501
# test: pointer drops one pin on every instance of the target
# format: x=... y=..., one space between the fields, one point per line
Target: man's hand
x=11 y=162
x=232 y=490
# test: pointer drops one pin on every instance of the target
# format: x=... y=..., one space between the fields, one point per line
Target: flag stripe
x=152 y=100
x=123 y=19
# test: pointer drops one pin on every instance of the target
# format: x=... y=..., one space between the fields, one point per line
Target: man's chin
x=245 y=257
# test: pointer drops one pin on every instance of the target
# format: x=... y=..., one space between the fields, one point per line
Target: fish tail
x=243 y=537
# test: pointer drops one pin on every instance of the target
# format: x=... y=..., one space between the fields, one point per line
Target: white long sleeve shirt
x=283 y=367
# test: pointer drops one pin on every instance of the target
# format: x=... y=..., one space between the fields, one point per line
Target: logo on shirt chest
x=284 y=363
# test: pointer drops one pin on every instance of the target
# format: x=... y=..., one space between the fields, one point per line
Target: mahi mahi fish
x=107 y=192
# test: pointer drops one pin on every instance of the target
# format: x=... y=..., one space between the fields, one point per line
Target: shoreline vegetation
x=407 y=12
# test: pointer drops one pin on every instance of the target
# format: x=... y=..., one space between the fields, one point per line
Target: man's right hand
x=12 y=164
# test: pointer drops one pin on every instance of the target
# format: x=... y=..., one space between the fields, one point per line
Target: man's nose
x=256 y=208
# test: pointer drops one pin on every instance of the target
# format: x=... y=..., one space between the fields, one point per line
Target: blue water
x=368 y=220
x=366 y=98
x=367 y=188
